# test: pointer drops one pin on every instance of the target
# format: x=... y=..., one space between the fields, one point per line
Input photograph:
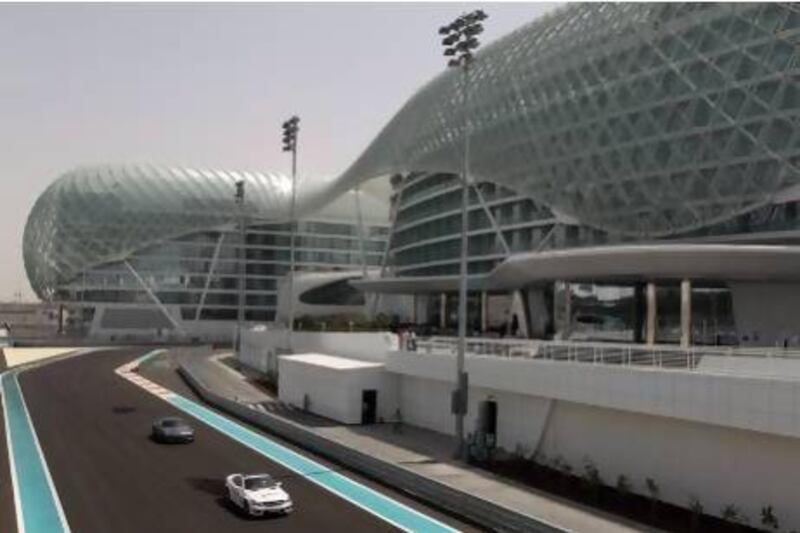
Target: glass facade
x=426 y=234
x=125 y=251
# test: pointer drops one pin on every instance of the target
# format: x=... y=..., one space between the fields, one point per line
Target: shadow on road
x=123 y=409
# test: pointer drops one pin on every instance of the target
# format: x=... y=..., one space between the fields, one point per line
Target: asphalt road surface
x=8 y=521
x=94 y=430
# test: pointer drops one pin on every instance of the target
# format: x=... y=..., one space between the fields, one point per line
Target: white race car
x=258 y=494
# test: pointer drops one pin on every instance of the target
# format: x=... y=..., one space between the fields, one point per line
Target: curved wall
x=95 y=215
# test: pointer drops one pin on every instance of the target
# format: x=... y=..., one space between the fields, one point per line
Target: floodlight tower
x=239 y=197
x=460 y=41
x=290 y=129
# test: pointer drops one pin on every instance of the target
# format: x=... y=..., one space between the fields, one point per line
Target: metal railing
x=618 y=354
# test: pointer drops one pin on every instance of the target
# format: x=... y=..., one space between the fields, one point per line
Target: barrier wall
x=478 y=510
x=725 y=439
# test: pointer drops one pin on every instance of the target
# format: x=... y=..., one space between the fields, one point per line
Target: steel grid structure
x=107 y=233
x=99 y=214
x=643 y=120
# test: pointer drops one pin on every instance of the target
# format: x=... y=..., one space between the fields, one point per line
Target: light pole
x=239 y=196
x=459 y=42
x=290 y=129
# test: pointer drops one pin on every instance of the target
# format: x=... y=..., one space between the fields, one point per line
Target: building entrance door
x=488 y=423
x=369 y=406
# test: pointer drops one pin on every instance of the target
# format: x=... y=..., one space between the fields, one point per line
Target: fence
x=658 y=356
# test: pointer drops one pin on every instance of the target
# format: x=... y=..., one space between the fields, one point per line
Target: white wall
x=336 y=393
x=257 y=345
x=683 y=430
x=520 y=418
x=738 y=401
x=719 y=466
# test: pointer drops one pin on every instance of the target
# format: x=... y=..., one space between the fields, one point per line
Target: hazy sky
x=204 y=85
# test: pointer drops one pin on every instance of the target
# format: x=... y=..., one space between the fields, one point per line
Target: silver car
x=172 y=429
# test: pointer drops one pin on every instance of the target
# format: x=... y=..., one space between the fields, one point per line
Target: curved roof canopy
x=617 y=264
x=640 y=119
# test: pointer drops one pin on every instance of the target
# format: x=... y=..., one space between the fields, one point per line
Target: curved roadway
x=93 y=427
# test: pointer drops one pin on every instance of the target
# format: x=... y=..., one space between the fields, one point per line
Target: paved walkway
x=20 y=356
x=423 y=451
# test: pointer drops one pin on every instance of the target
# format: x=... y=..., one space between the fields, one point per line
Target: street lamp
x=460 y=40
x=290 y=129
x=239 y=197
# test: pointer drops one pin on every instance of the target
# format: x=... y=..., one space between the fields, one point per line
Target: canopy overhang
x=617 y=264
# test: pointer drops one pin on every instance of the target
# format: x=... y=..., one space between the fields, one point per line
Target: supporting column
x=652 y=313
x=442 y=311
x=686 y=313
x=562 y=309
x=484 y=311
x=568 y=307
x=538 y=314
x=638 y=313
x=414 y=308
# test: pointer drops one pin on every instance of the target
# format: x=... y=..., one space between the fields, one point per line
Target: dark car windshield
x=258 y=483
x=172 y=422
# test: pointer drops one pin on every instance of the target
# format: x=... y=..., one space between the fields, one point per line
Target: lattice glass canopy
x=640 y=119
x=95 y=215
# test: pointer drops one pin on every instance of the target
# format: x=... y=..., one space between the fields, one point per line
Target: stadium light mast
x=460 y=41
x=239 y=197
x=290 y=129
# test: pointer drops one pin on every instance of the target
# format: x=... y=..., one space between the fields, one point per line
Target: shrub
x=655 y=492
x=696 y=509
x=592 y=476
x=591 y=473
x=623 y=484
x=540 y=458
x=652 y=488
x=732 y=513
x=768 y=518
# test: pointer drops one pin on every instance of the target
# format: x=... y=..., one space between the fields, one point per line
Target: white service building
x=350 y=391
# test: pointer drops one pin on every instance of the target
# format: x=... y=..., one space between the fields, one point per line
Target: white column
x=652 y=313
x=568 y=307
x=443 y=311
x=686 y=313
x=484 y=311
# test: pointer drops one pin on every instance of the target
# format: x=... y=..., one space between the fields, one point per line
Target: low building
x=349 y=391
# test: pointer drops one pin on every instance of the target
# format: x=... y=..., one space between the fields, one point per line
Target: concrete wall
x=737 y=401
x=259 y=347
x=219 y=331
x=520 y=421
x=336 y=393
x=718 y=465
